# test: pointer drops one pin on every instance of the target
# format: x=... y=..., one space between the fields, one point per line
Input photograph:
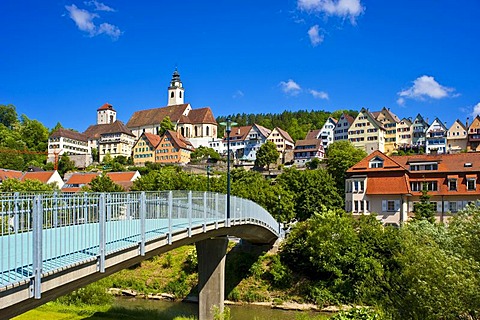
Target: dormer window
x=424 y=166
x=376 y=162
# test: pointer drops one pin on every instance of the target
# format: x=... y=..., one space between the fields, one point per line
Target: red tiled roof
x=179 y=140
x=202 y=115
x=9 y=174
x=153 y=139
x=65 y=133
x=387 y=185
x=389 y=163
x=82 y=178
x=95 y=131
x=106 y=106
x=42 y=176
x=155 y=116
x=308 y=142
x=118 y=177
x=285 y=134
x=313 y=134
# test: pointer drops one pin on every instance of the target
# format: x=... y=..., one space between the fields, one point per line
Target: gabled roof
x=95 y=131
x=153 y=139
x=239 y=133
x=462 y=125
x=10 y=174
x=122 y=176
x=438 y=122
x=349 y=118
x=408 y=120
x=202 y=115
x=65 y=133
x=317 y=144
x=389 y=163
x=264 y=131
x=387 y=111
x=284 y=134
x=178 y=140
x=313 y=134
x=82 y=177
x=42 y=176
x=155 y=116
x=372 y=117
x=106 y=106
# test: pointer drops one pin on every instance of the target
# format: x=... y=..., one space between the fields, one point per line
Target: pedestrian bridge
x=53 y=243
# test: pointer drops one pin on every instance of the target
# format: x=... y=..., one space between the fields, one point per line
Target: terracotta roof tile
x=155 y=116
x=153 y=139
x=95 y=131
x=10 y=174
x=65 y=133
x=42 y=176
x=313 y=134
x=81 y=178
x=285 y=134
x=179 y=140
x=106 y=106
x=202 y=115
x=387 y=185
x=118 y=177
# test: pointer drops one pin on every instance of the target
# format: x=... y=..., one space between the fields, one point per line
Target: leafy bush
x=93 y=294
x=178 y=287
x=357 y=314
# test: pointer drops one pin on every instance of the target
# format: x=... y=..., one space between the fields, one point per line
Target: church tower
x=175 y=90
x=106 y=114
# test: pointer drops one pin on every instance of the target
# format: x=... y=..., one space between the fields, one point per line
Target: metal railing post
x=204 y=212
x=102 y=230
x=16 y=216
x=227 y=221
x=143 y=209
x=170 y=209
x=189 y=212
x=37 y=246
x=216 y=211
x=109 y=207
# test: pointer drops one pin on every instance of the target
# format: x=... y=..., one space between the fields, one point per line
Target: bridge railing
x=43 y=233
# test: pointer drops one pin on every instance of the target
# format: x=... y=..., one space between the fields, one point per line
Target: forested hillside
x=296 y=123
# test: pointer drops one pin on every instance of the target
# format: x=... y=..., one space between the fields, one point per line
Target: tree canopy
x=266 y=155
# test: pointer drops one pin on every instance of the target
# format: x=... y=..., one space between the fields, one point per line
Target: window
x=172 y=94
x=390 y=205
x=452 y=206
x=418 y=185
x=424 y=166
x=471 y=184
x=376 y=162
x=452 y=184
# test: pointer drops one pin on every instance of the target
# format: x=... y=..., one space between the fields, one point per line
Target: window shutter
x=397 y=205
x=384 y=205
x=446 y=207
x=439 y=206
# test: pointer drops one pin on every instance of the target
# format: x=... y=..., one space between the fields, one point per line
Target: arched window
x=172 y=94
x=180 y=94
x=196 y=131
x=183 y=131
x=208 y=130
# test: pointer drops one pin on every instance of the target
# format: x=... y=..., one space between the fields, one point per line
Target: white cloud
x=109 y=29
x=84 y=21
x=99 y=6
x=290 y=87
x=238 y=94
x=425 y=87
x=401 y=101
x=319 y=94
x=476 y=110
x=341 y=8
x=315 y=37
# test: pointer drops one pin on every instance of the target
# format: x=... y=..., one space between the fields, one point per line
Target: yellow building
x=457 y=137
x=367 y=133
x=144 y=149
x=173 y=148
x=389 y=121
x=404 y=134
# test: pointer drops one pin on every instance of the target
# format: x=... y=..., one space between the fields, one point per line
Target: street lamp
x=228 y=128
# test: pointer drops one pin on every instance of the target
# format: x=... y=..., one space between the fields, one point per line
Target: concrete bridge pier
x=211 y=255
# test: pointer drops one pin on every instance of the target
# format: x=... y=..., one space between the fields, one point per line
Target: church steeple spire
x=175 y=90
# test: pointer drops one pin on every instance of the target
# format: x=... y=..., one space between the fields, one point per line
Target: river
x=168 y=310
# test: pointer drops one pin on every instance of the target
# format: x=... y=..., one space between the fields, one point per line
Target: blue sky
x=61 y=60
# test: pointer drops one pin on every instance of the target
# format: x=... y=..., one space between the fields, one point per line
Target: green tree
x=14 y=185
x=204 y=153
x=341 y=155
x=34 y=134
x=311 y=189
x=165 y=125
x=266 y=154
x=103 y=183
x=424 y=209
x=8 y=115
x=65 y=164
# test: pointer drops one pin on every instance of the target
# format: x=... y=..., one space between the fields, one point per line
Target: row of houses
x=72 y=182
x=390 y=185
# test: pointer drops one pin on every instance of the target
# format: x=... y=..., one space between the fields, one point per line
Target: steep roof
x=179 y=140
x=81 y=177
x=349 y=118
x=239 y=133
x=42 y=176
x=264 y=131
x=308 y=142
x=389 y=163
x=122 y=176
x=153 y=139
x=313 y=134
x=65 y=133
x=156 y=115
x=284 y=134
x=95 y=131
x=460 y=123
x=106 y=106
x=10 y=174
x=202 y=115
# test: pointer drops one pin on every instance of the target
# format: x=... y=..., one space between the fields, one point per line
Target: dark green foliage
x=341 y=155
x=93 y=294
x=357 y=314
x=12 y=185
x=65 y=164
x=8 y=115
x=311 y=190
x=296 y=123
x=179 y=287
x=424 y=209
x=165 y=125
x=103 y=183
x=266 y=155
x=204 y=153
